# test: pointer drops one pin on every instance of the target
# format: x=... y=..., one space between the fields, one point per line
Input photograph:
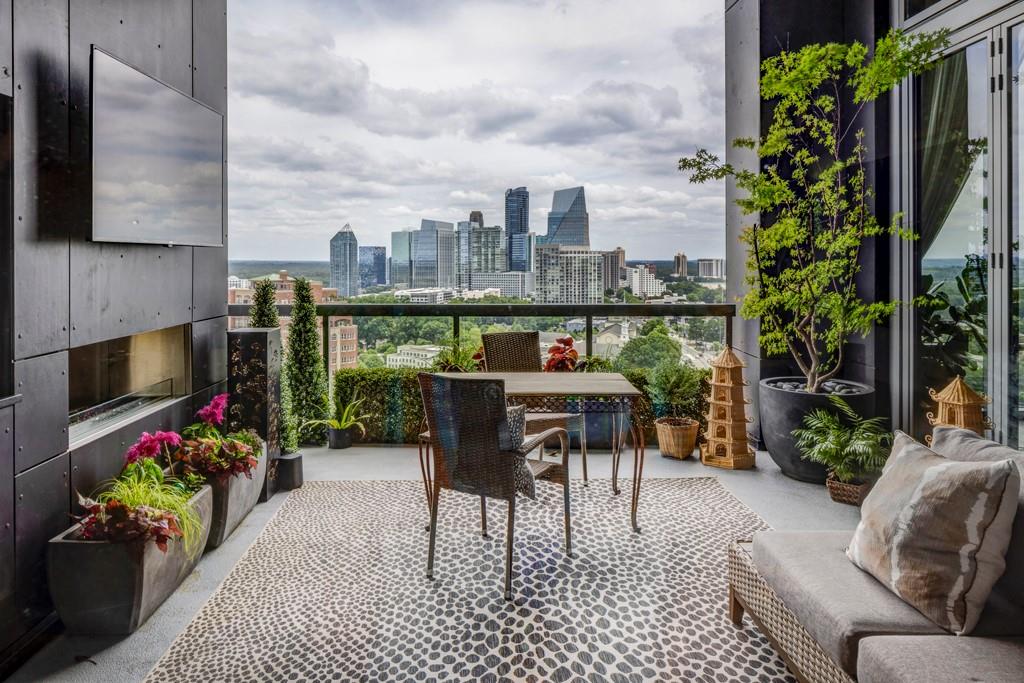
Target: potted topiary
x=814 y=204
x=679 y=401
x=306 y=375
x=141 y=534
x=233 y=464
x=339 y=427
x=850 y=447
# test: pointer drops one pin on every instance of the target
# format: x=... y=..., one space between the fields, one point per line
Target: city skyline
x=379 y=135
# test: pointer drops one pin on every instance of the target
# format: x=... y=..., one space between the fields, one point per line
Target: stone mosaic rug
x=334 y=589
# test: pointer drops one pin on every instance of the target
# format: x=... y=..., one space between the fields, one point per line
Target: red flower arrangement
x=207 y=452
x=115 y=521
x=562 y=357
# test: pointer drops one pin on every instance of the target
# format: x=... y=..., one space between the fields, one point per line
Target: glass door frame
x=995 y=30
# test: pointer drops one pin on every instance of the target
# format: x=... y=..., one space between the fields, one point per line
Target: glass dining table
x=578 y=392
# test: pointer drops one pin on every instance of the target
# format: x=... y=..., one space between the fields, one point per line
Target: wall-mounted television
x=157 y=160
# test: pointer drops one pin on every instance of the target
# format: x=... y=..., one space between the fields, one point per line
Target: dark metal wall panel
x=210 y=85
x=122 y=289
x=41 y=197
x=41 y=419
x=209 y=352
x=6 y=245
x=40 y=513
x=203 y=396
x=101 y=459
x=7 y=607
x=210 y=55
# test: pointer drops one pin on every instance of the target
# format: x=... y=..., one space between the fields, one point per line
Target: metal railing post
x=456 y=331
x=590 y=335
x=728 y=330
x=326 y=322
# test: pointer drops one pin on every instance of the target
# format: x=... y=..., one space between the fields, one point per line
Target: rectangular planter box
x=104 y=588
x=233 y=499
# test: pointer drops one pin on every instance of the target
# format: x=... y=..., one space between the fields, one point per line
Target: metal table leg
x=637 y=433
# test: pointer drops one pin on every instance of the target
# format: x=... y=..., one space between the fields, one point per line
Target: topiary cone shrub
x=305 y=373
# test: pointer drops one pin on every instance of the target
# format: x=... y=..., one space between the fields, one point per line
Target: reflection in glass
x=915 y=6
x=1015 y=435
x=952 y=221
x=157 y=161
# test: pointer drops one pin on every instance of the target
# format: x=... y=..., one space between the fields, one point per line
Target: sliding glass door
x=952 y=211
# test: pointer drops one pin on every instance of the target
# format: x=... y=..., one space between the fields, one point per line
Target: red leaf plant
x=562 y=357
x=207 y=452
x=115 y=521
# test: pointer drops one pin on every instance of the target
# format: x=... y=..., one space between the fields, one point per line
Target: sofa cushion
x=835 y=601
x=935 y=531
x=926 y=659
x=1004 y=611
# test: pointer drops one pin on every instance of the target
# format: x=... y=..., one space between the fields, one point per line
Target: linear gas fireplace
x=116 y=381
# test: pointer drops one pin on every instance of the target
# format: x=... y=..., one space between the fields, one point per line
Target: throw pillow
x=935 y=531
x=1004 y=612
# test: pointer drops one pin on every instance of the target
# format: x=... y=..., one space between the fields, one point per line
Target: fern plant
x=849 y=445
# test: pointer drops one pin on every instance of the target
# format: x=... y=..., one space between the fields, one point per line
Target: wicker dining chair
x=520 y=352
x=475 y=452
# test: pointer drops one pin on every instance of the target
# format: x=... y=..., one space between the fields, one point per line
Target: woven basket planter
x=677 y=436
x=847 y=492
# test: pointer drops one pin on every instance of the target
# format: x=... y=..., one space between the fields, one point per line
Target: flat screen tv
x=157 y=160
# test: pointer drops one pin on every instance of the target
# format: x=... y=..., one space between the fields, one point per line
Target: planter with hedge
x=139 y=537
x=679 y=396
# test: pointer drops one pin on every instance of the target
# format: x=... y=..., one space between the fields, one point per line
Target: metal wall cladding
x=40 y=513
x=209 y=352
x=7 y=608
x=101 y=459
x=41 y=197
x=41 y=419
x=123 y=289
x=6 y=48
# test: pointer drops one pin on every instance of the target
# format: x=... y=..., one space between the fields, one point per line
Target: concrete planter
x=233 y=498
x=105 y=588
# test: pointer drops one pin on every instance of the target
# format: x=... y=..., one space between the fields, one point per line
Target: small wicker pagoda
x=726 y=443
x=960 y=406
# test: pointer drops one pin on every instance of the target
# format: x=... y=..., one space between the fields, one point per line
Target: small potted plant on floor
x=679 y=400
x=233 y=464
x=850 y=447
x=140 y=535
x=339 y=427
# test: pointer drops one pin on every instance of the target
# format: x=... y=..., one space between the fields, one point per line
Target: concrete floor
x=781 y=502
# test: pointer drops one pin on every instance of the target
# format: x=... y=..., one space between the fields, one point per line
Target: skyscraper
x=517 y=228
x=401 y=258
x=568 y=275
x=614 y=263
x=476 y=217
x=373 y=266
x=345 y=262
x=680 y=265
x=569 y=222
x=481 y=249
x=434 y=252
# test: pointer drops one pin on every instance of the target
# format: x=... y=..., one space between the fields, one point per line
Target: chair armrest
x=536 y=440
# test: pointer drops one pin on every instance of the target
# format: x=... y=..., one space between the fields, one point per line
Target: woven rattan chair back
x=512 y=352
x=469 y=431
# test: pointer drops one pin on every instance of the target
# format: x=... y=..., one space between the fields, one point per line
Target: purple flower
x=149 y=445
x=213 y=413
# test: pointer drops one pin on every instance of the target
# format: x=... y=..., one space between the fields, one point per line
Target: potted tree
x=813 y=209
x=141 y=534
x=339 y=427
x=306 y=375
x=851 y=447
x=680 y=404
x=233 y=464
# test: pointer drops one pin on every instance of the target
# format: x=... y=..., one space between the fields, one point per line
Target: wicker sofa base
x=749 y=593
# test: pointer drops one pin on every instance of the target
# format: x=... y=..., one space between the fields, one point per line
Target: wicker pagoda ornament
x=960 y=406
x=726 y=443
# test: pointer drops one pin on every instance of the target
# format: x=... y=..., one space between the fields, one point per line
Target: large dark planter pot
x=783 y=410
x=339 y=438
x=105 y=588
x=233 y=499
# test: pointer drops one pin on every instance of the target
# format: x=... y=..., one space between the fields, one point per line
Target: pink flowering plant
x=205 y=451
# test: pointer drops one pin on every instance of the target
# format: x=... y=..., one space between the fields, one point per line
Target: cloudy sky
x=379 y=113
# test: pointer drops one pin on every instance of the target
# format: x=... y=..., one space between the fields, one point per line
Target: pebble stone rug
x=334 y=588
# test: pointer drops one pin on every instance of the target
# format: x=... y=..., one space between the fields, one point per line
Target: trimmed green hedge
x=392 y=400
